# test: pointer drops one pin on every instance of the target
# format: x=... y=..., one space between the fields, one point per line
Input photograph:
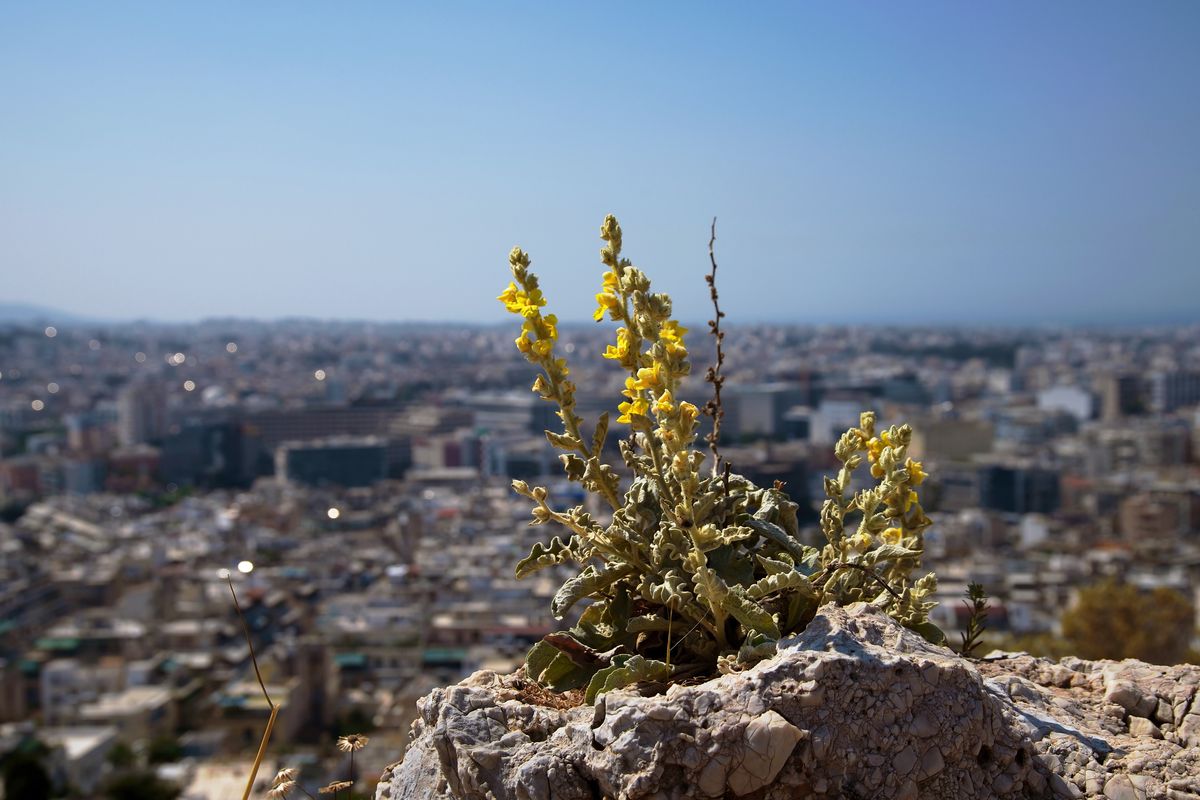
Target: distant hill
x=25 y=313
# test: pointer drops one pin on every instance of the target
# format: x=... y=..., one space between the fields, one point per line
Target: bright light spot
x=94 y=344
x=52 y=387
x=51 y=331
x=245 y=567
x=139 y=357
x=231 y=347
x=176 y=359
x=189 y=386
x=38 y=405
x=333 y=512
x=319 y=374
x=1 y=376
x=569 y=347
x=223 y=574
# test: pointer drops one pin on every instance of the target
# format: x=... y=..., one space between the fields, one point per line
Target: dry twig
x=714 y=407
x=262 y=747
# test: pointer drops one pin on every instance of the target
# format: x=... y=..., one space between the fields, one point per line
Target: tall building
x=335 y=461
x=1172 y=390
x=141 y=413
x=1120 y=395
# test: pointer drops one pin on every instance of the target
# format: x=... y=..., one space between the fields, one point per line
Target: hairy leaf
x=892 y=552
x=589 y=583
x=625 y=671
x=564 y=441
x=551 y=668
x=545 y=555
x=601 y=433
x=781 y=581
x=674 y=589
x=779 y=537
x=648 y=622
x=752 y=616
x=929 y=632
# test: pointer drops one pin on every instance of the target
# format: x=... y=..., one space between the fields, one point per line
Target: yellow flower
x=687 y=415
x=638 y=406
x=533 y=301
x=876 y=470
x=909 y=499
x=874 y=448
x=610 y=281
x=892 y=535
x=859 y=542
x=664 y=404
x=672 y=331
x=606 y=301
x=649 y=377
x=916 y=472
x=621 y=349
x=542 y=347
x=523 y=344
x=524 y=303
x=509 y=297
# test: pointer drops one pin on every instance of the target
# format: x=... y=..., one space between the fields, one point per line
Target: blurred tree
x=121 y=756
x=1114 y=620
x=25 y=777
x=164 y=750
x=139 y=786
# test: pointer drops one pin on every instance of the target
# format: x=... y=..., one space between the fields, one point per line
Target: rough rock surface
x=855 y=707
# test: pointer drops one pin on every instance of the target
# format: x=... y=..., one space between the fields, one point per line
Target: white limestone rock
x=856 y=706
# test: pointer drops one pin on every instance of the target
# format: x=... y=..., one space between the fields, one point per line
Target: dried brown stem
x=846 y=564
x=714 y=408
x=249 y=644
x=266 y=737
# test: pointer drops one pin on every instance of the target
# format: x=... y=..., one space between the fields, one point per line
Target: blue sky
x=868 y=162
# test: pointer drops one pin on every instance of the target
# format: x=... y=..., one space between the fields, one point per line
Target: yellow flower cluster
x=649 y=344
x=538 y=332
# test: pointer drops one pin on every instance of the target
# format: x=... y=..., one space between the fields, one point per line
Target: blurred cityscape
x=353 y=479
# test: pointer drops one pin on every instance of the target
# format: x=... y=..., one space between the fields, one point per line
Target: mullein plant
x=697 y=571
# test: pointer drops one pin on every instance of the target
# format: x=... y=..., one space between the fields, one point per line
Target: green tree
x=139 y=786
x=1115 y=620
x=25 y=777
x=122 y=756
x=164 y=750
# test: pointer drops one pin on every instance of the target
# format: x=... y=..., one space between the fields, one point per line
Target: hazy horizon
x=1007 y=166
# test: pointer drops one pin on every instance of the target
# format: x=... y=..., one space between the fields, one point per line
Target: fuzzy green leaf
x=545 y=555
x=776 y=566
x=733 y=564
x=547 y=665
x=601 y=433
x=648 y=622
x=779 y=537
x=929 y=632
x=674 y=589
x=711 y=590
x=779 y=582
x=892 y=552
x=564 y=441
x=625 y=671
x=589 y=583
x=752 y=616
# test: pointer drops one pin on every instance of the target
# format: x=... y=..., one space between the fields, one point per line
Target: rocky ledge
x=855 y=707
